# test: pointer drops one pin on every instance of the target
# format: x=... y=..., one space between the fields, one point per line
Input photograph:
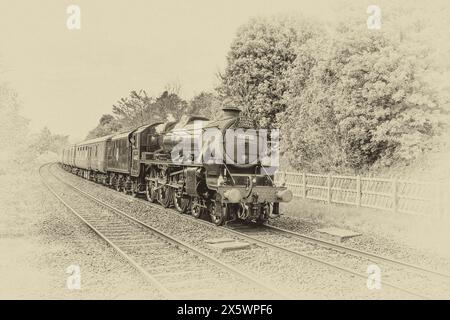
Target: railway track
x=177 y=270
x=311 y=248
x=351 y=261
x=374 y=257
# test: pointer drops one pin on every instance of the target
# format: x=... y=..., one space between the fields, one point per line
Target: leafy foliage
x=19 y=149
x=264 y=49
x=361 y=101
x=108 y=124
x=168 y=106
x=346 y=98
x=133 y=110
x=205 y=104
x=45 y=141
x=13 y=130
x=137 y=109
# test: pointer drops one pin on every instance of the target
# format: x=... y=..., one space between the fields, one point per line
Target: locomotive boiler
x=220 y=168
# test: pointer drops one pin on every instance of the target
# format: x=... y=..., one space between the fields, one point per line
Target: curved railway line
x=175 y=273
x=307 y=247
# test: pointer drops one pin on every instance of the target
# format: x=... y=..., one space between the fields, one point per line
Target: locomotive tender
x=199 y=166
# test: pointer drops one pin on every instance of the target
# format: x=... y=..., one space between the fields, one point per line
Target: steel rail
x=180 y=243
x=286 y=250
x=323 y=262
x=130 y=260
x=358 y=252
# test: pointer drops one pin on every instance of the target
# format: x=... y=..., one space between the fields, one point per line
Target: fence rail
x=396 y=195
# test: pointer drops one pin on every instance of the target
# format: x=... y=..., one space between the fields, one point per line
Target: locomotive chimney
x=231 y=112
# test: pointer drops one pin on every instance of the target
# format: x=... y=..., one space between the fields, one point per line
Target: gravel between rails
x=40 y=239
x=296 y=276
x=114 y=278
x=421 y=283
x=371 y=243
x=222 y=285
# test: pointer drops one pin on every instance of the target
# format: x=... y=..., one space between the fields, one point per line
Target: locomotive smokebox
x=231 y=112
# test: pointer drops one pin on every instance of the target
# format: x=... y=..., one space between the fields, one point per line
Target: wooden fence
x=396 y=195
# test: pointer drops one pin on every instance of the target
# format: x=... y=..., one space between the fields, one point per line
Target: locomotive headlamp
x=233 y=195
x=285 y=195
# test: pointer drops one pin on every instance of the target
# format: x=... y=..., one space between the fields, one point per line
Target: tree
x=261 y=54
x=138 y=109
x=134 y=110
x=205 y=104
x=13 y=126
x=361 y=101
x=45 y=141
x=13 y=131
x=169 y=106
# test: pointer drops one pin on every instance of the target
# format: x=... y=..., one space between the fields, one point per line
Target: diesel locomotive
x=199 y=166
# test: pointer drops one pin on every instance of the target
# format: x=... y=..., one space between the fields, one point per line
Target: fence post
x=395 y=195
x=304 y=185
x=358 y=190
x=329 y=188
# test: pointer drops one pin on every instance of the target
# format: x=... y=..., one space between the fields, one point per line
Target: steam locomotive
x=221 y=168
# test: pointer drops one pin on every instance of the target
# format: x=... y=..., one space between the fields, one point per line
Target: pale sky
x=67 y=79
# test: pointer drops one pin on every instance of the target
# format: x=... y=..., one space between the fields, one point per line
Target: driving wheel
x=197 y=208
x=218 y=211
x=164 y=196
x=180 y=201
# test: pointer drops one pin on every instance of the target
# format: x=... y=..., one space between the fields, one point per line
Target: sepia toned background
x=121 y=46
x=144 y=44
x=350 y=101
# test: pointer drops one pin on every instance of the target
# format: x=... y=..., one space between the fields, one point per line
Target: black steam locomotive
x=202 y=167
